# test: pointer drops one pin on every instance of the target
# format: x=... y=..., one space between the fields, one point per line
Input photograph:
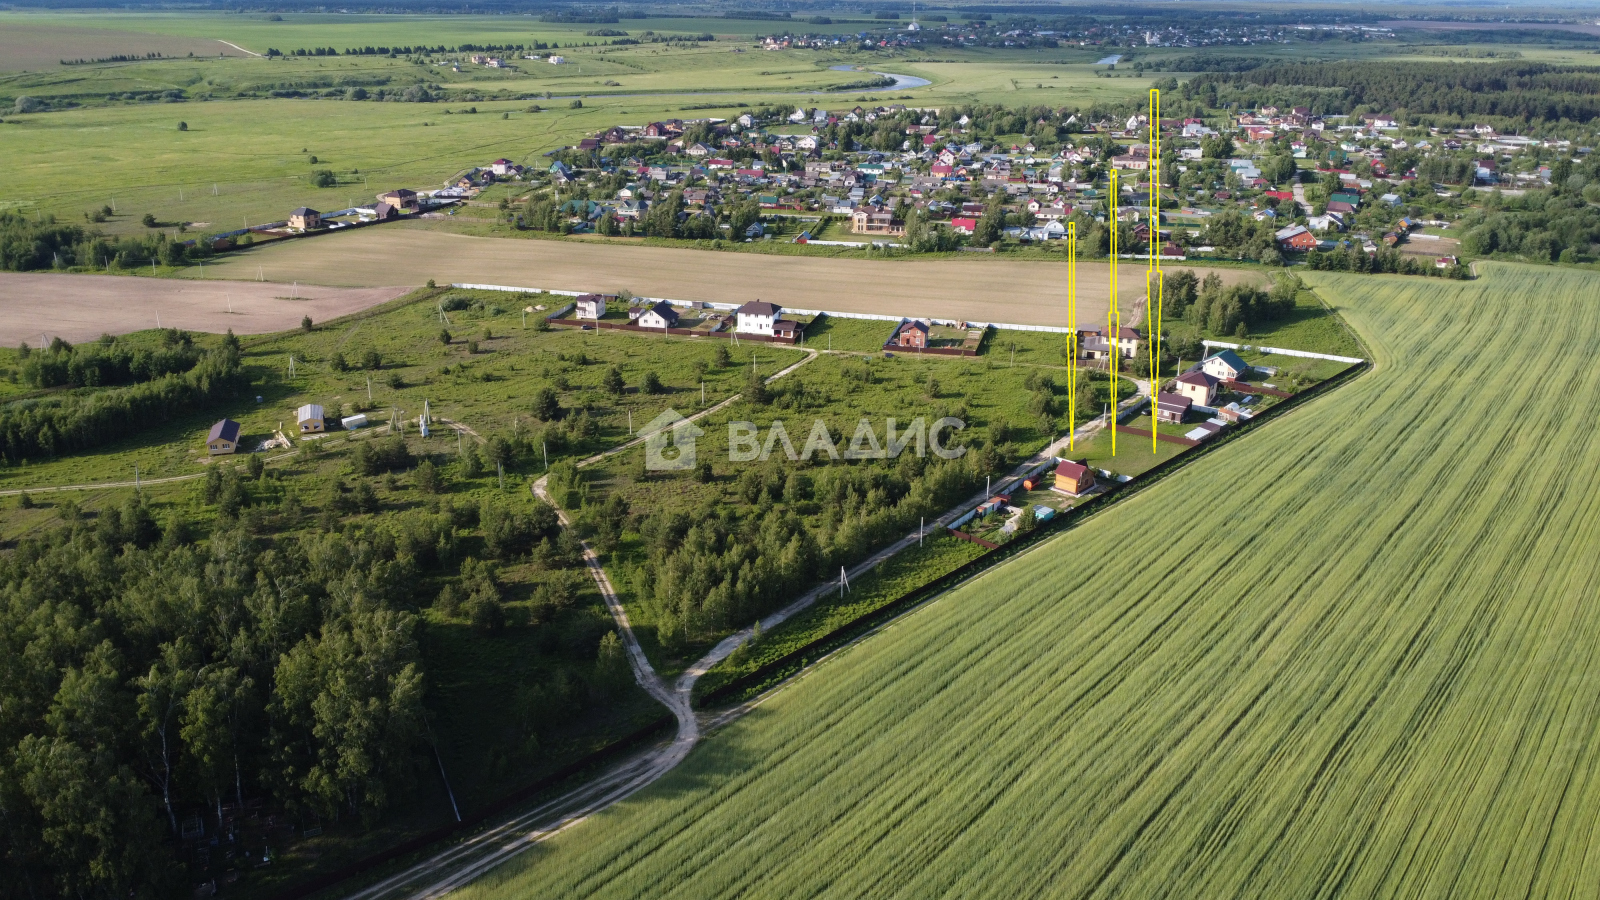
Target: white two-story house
x=756 y=317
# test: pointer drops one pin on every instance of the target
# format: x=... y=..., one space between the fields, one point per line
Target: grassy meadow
x=1176 y=699
x=247 y=156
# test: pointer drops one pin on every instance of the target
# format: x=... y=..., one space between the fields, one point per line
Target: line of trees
x=1526 y=91
x=35 y=428
x=108 y=361
x=44 y=243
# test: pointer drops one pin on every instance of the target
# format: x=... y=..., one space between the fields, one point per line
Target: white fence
x=729 y=307
x=1279 y=350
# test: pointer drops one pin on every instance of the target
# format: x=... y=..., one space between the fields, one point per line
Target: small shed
x=351 y=423
x=1073 y=478
x=310 y=419
x=1172 y=407
x=224 y=438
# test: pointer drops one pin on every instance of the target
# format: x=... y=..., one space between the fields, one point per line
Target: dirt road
x=83 y=307
x=980 y=288
x=459 y=864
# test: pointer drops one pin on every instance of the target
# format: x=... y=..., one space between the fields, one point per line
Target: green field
x=246 y=156
x=1176 y=699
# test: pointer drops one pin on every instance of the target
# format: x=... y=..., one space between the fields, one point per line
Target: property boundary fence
x=773 y=671
x=729 y=307
x=972 y=538
x=686 y=332
x=1169 y=438
x=1304 y=354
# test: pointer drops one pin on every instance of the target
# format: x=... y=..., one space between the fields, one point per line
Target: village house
x=591 y=306
x=868 y=221
x=383 y=212
x=224 y=438
x=1096 y=346
x=1225 y=366
x=403 y=198
x=658 y=315
x=757 y=317
x=310 y=419
x=1073 y=478
x=305 y=218
x=1296 y=237
x=1197 y=386
x=912 y=335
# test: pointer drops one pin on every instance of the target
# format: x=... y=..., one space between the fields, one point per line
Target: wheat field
x=1351 y=655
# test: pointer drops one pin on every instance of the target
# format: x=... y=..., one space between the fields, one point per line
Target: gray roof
x=225 y=430
x=758 y=308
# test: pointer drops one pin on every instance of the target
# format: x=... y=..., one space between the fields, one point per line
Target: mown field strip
x=1351 y=656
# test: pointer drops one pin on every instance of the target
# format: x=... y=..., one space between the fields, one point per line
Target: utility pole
x=545 y=448
x=501 y=468
x=922 y=531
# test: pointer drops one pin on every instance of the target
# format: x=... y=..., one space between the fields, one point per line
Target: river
x=901 y=82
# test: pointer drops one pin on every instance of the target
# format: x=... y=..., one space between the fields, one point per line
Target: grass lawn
x=1132 y=454
x=853 y=335
x=1312 y=327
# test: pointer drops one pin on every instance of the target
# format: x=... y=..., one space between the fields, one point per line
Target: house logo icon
x=669 y=443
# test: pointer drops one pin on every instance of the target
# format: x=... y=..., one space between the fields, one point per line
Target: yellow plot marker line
x=1113 y=314
x=1154 y=281
x=1072 y=335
